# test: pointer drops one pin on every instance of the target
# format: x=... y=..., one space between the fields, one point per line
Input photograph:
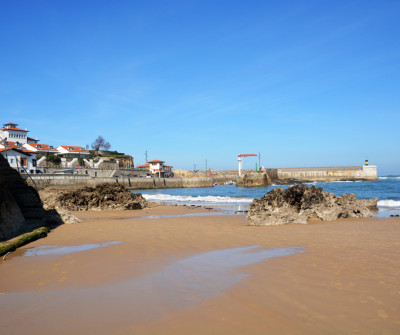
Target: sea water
x=233 y=198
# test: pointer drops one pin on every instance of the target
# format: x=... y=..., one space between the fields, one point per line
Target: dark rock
x=20 y=207
x=101 y=197
x=299 y=203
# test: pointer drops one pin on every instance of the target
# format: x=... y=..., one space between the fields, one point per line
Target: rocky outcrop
x=299 y=203
x=21 y=210
x=101 y=197
x=11 y=218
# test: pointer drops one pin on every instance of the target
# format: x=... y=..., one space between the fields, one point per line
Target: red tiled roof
x=18 y=149
x=42 y=146
x=74 y=149
x=165 y=165
x=9 y=144
x=13 y=128
x=10 y=124
x=143 y=166
x=155 y=161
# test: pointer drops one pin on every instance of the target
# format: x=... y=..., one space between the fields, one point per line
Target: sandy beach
x=165 y=270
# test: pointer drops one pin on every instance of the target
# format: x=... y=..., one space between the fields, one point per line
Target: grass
x=21 y=240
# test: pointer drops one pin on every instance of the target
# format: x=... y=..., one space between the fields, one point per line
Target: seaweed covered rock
x=101 y=197
x=299 y=203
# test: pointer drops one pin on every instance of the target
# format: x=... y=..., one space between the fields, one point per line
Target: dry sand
x=345 y=280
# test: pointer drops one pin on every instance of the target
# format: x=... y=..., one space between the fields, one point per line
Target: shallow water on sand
x=56 y=250
x=180 y=284
x=180 y=215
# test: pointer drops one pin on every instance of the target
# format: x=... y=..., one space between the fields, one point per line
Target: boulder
x=101 y=197
x=299 y=203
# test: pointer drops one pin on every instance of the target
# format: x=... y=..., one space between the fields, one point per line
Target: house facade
x=158 y=169
x=12 y=141
x=41 y=149
x=19 y=159
x=11 y=133
x=72 y=151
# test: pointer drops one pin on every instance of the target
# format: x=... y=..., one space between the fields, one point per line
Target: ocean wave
x=199 y=199
x=388 y=204
x=389 y=178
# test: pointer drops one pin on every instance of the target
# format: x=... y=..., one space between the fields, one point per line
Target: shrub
x=53 y=159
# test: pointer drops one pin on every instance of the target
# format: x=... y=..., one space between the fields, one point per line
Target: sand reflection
x=180 y=284
x=56 y=250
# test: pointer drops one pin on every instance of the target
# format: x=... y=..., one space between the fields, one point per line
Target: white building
x=12 y=147
x=18 y=157
x=43 y=149
x=157 y=168
x=72 y=151
x=11 y=133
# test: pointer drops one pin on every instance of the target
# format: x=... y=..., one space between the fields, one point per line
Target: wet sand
x=204 y=275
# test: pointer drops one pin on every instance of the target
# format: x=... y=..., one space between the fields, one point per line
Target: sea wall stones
x=74 y=180
x=299 y=203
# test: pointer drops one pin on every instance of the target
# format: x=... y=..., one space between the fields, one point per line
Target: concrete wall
x=328 y=173
x=254 y=180
x=81 y=180
x=283 y=175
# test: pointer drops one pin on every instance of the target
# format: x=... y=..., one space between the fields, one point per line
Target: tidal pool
x=57 y=250
x=180 y=215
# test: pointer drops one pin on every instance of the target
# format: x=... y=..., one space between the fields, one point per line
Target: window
x=11 y=160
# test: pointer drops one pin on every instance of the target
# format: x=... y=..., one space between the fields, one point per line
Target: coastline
x=344 y=281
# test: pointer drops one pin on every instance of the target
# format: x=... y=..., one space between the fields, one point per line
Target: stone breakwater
x=330 y=173
x=248 y=179
x=300 y=203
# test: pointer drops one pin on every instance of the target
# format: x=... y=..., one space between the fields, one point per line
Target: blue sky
x=304 y=83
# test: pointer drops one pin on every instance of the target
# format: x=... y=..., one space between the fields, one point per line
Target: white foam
x=199 y=199
x=389 y=203
x=389 y=178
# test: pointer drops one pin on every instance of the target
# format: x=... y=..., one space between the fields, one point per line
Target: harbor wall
x=336 y=173
x=279 y=176
x=81 y=180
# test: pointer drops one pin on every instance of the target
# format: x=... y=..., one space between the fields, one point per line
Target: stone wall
x=256 y=180
x=79 y=180
x=336 y=173
x=280 y=176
